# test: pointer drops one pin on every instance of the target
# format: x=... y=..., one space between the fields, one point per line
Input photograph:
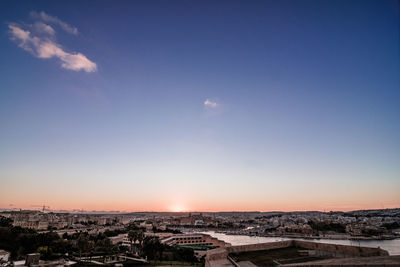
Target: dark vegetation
x=391 y=226
x=327 y=227
x=168 y=230
x=21 y=241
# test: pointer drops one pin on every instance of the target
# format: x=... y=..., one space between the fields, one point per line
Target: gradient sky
x=200 y=105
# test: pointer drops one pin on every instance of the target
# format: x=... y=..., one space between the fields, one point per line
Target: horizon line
x=149 y=211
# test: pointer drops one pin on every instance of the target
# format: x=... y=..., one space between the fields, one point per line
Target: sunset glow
x=199 y=105
x=177 y=208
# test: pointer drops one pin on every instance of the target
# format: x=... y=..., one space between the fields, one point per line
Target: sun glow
x=177 y=208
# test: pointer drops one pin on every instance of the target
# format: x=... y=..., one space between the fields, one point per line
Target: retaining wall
x=321 y=249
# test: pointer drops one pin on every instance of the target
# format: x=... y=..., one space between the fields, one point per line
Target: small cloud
x=210 y=104
x=42 y=47
x=78 y=62
x=54 y=20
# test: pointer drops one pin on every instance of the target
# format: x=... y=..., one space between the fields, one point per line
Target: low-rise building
x=4 y=257
x=121 y=239
x=193 y=239
x=200 y=243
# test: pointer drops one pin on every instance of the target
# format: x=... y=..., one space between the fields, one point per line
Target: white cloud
x=209 y=103
x=54 y=20
x=19 y=33
x=43 y=28
x=42 y=47
x=78 y=62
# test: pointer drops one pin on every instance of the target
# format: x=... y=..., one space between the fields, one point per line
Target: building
x=32 y=224
x=147 y=225
x=200 y=243
x=121 y=239
x=193 y=239
x=33 y=260
x=4 y=257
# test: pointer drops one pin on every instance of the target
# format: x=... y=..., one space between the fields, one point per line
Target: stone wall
x=223 y=253
x=341 y=251
x=321 y=249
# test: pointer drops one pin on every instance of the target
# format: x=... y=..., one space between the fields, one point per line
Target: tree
x=132 y=236
x=5 y=222
x=90 y=248
x=104 y=245
x=45 y=252
x=150 y=247
x=83 y=244
x=140 y=238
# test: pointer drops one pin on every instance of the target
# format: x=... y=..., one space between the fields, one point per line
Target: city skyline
x=200 y=105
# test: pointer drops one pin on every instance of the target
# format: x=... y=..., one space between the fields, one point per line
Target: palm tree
x=140 y=238
x=132 y=236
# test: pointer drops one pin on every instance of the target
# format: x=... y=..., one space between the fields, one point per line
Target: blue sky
x=200 y=105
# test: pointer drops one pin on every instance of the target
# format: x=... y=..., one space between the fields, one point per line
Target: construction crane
x=44 y=207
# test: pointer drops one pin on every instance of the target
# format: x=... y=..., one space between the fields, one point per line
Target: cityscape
x=208 y=133
x=140 y=238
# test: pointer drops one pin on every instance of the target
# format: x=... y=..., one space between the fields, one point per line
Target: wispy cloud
x=43 y=28
x=210 y=104
x=39 y=40
x=54 y=20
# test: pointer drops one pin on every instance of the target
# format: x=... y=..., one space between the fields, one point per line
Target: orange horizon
x=187 y=210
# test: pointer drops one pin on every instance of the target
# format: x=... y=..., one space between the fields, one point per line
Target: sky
x=200 y=105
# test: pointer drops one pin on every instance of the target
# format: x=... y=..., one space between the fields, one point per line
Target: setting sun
x=177 y=208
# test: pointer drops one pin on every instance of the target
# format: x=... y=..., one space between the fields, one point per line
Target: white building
x=120 y=239
x=4 y=256
x=193 y=239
